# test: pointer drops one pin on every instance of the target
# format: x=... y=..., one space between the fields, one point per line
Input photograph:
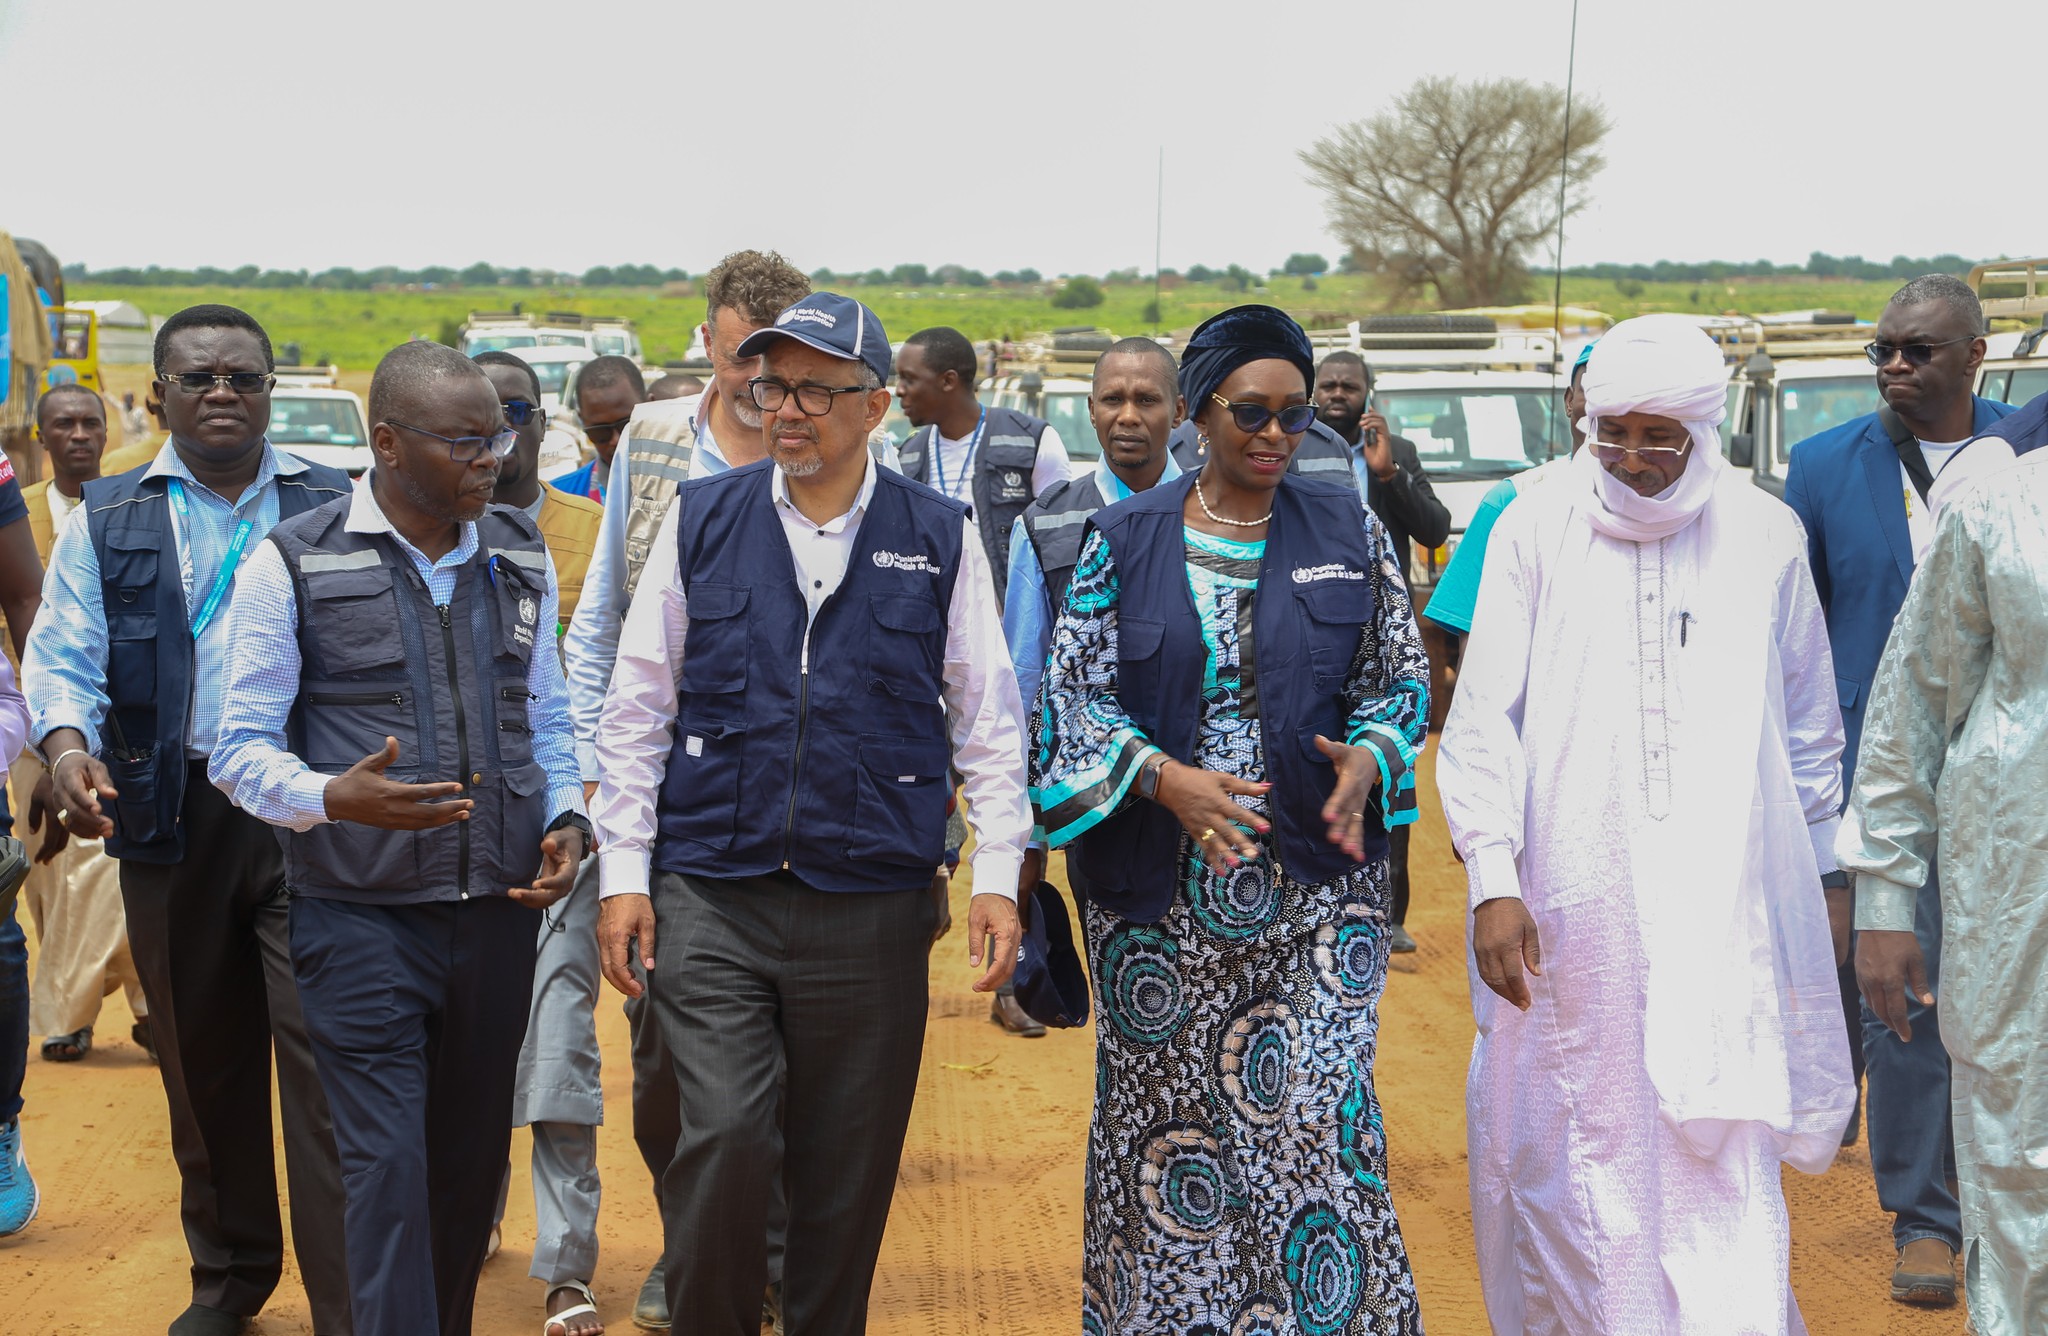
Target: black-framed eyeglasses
x=815 y=400
x=1916 y=354
x=1251 y=419
x=465 y=449
x=205 y=382
x=519 y=412
x=604 y=433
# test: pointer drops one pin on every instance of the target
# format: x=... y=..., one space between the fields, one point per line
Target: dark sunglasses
x=465 y=449
x=1916 y=354
x=519 y=412
x=1251 y=419
x=604 y=433
x=204 y=382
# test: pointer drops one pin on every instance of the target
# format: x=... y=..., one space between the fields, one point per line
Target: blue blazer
x=1846 y=486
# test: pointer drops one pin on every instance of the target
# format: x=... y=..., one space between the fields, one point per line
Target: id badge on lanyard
x=225 y=577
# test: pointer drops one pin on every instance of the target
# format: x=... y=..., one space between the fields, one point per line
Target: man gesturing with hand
x=395 y=702
x=813 y=646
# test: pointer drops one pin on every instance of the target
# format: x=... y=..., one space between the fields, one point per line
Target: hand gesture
x=1503 y=940
x=1344 y=814
x=561 y=851
x=1377 y=441
x=623 y=921
x=991 y=915
x=1893 y=975
x=42 y=815
x=1202 y=800
x=363 y=795
x=80 y=781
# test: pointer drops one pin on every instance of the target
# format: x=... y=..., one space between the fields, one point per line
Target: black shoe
x=650 y=1310
x=199 y=1320
x=1854 y=1130
x=1398 y=941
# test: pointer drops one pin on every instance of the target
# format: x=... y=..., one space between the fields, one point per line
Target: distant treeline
x=1818 y=265
x=492 y=276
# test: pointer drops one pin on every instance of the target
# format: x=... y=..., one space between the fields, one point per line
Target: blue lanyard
x=966 y=460
x=226 y=575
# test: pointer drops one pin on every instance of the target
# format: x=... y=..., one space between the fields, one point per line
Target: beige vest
x=660 y=440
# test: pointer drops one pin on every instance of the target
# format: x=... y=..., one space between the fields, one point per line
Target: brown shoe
x=1926 y=1274
x=1004 y=1011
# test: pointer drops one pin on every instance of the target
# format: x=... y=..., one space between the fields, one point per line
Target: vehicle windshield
x=610 y=345
x=1067 y=411
x=565 y=340
x=2027 y=385
x=1476 y=434
x=1810 y=407
x=494 y=343
x=315 y=422
x=553 y=375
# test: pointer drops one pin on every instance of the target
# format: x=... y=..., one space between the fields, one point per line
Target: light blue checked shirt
x=65 y=669
x=252 y=764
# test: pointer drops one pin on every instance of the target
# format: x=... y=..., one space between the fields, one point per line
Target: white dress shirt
x=984 y=716
x=951 y=465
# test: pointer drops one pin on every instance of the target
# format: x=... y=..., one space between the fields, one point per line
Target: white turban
x=1667 y=366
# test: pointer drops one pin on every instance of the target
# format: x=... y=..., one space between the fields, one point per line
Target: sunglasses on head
x=519 y=412
x=203 y=382
x=1251 y=419
x=1916 y=354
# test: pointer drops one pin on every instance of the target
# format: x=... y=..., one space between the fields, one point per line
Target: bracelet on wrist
x=68 y=751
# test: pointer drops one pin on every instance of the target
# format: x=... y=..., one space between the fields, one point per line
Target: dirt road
x=985 y=1235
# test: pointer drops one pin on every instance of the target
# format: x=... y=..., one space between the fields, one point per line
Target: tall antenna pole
x=1563 y=174
x=1158 y=231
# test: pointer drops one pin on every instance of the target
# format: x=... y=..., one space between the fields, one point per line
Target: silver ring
x=63 y=816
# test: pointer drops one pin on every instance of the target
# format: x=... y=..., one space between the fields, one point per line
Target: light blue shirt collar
x=1113 y=488
x=366 y=516
x=276 y=464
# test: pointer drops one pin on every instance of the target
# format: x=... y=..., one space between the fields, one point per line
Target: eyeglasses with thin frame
x=604 y=433
x=1251 y=419
x=815 y=400
x=465 y=449
x=519 y=412
x=205 y=382
x=1916 y=354
x=1652 y=454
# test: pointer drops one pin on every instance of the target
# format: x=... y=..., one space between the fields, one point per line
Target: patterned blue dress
x=1236 y=1181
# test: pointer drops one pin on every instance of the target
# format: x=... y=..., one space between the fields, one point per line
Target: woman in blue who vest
x=1228 y=723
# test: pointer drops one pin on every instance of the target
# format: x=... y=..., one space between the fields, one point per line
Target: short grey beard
x=746 y=412
x=802 y=467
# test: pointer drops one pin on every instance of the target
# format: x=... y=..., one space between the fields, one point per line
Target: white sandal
x=553 y=1320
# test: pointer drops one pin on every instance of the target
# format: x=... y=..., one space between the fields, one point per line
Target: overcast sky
x=992 y=135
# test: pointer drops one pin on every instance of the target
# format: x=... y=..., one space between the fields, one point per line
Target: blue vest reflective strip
x=1314 y=603
x=827 y=756
x=149 y=648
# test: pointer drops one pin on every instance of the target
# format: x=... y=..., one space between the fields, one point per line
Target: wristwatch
x=571 y=821
x=1148 y=777
x=1837 y=880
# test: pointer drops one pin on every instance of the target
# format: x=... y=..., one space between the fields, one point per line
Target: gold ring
x=1206 y=835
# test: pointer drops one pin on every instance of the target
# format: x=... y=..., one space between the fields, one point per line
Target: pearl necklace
x=1241 y=524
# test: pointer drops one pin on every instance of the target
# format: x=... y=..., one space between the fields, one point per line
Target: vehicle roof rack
x=2012 y=289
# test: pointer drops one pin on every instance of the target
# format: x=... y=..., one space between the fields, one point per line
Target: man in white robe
x=1954 y=767
x=1642 y=772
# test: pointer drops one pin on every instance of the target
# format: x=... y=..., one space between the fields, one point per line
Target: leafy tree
x=1078 y=293
x=599 y=276
x=1453 y=186
x=910 y=275
x=1238 y=277
x=1305 y=264
x=479 y=275
x=822 y=277
x=1007 y=276
x=1150 y=315
x=1030 y=276
x=1202 y=273
x=874 y=278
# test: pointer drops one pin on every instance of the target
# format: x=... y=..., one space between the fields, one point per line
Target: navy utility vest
x=1321 y=454
x=1056 y=523
x=1002 y=477
x=149 y=649
x=825 y=753
x=379 y=659
x=1310 y=617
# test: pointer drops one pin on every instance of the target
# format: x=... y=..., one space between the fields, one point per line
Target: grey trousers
x=767 y=991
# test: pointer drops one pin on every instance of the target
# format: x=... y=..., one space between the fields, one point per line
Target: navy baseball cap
x=1051 y=983
x=832 y=324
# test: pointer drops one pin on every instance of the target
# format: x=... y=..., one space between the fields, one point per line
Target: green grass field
x=354 y=329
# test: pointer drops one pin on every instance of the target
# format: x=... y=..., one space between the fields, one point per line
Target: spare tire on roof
x=1480 y=329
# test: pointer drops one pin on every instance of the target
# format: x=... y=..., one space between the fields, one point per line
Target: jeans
x=13 y=997
x=1906 y=1105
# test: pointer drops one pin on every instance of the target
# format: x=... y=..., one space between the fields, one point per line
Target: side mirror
x=1742 y=450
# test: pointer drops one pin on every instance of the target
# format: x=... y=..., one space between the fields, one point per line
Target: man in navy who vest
x=993 y=459
x=396 y=708
x=815 y=646
x=1861 y=490
x=125 y=667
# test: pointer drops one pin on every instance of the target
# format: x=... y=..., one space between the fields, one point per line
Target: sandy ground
x=985 y=1234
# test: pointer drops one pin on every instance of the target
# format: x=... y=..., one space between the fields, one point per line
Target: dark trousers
x=1397 y=869
x=417 y=1013
x=658 y=1116
x=768 y=991
x=13 y=997
x=1906 y=1105
x=209 y=940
